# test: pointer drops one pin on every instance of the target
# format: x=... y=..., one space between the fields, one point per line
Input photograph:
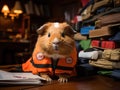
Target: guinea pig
x=54 y=53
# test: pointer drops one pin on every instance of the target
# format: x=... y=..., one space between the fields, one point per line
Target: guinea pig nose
x=56 y=41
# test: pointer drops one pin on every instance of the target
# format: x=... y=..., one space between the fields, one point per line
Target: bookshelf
x=38 y=11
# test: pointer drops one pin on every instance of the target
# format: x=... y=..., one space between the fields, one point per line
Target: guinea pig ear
x=72 y=30
x=43 y=29
x=69 y=30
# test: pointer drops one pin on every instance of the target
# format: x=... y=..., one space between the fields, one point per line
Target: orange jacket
x=39 y=63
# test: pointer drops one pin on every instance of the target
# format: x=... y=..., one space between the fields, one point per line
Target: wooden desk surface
x=83 y=83
x=96 y=82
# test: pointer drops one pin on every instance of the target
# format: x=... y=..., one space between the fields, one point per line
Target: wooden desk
x=83 y=83
x=96 y=82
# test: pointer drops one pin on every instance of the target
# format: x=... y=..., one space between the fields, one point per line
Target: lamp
x=12 y=14
x=17 y=8
x=5 y=10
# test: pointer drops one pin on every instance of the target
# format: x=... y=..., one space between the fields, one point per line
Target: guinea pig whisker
x=68 y=44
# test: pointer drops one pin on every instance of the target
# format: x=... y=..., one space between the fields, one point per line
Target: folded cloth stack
x=103 y=63
x=78 y=36
x=104 y=44
x=112 y=55
x=110 y=59
x=89 y=55
x=103 y=31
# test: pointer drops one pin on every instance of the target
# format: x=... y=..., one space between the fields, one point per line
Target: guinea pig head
x=56 y=39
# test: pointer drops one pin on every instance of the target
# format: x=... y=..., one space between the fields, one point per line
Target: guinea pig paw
x=63 y=80
x=47 y=78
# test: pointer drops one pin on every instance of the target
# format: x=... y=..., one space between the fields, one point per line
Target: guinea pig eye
x=63 y=34
x=48 y=34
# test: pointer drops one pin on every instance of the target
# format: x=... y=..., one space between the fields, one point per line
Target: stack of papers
x=19 y=78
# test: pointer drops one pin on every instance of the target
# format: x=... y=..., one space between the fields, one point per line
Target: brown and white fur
x=56 y=41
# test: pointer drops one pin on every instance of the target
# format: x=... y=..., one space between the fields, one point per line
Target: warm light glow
x=17 y=8
x=12 y=14
x=5 y=10
x=18 y=11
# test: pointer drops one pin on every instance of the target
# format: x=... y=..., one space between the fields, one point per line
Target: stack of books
x=20 y=78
